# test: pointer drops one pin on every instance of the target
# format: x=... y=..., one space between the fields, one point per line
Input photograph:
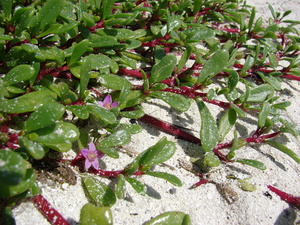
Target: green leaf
x=138 y=186
x=246 y=186
x=282 y=105
x=36 y=150
x=133 y=114
x=233 y=80
x=272 y=11
x=195 y=34
x=111 y=152
x=284 y=149
x=209 y=134
x=19 y=73
x=118 y=138
x=124 y=92
x=97 y=63
x=166 y=176
x=226 y=123
x=273 y=81
x=113 y=81
x=12 y=168
x=52 y=30
x=88 y=19
x=101 y=194
x=156 y=154
x=213 y=65
x=178 y=102
x=120 y=188
x=163 y=69
x=102 y=41
x=119 y=33
x=79 y=50
x=158 y=86
x=273 y=60
x=106 y=8
x=133 y=98
x=133 y=166
x=6 y=7
x=58 y=133
x=84 y=75
x=5 y=37
x=172 y=217
x=184 y=58
x=251 y=19
x=102 y=113
x=79 y=110
x=44 y=116
x=28 y=181
x=238 y=110
x=132 y=128
x=211 y=160
x=260 y=93
x=28 y=102
x=234 y=146
x=90 y=214
x=7 y=216
x=263 y=115
x=253 y=163
x=174 y=22
x=49 y=12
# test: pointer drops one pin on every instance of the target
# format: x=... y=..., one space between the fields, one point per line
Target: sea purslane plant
x=71 y=70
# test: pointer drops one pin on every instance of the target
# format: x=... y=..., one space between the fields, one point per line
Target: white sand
x=204 y=204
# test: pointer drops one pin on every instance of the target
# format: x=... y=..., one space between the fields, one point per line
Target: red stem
x=50 y=213
x=261 y=139
x=133 y=73
x=225 y=105
x=100 y=24
x=79 y=161
x=202 y=181
x=292 y=77
x=111 y=174
x=285 y=196
x=170 y=129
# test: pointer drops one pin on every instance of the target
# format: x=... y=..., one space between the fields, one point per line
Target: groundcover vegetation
x=71 y=70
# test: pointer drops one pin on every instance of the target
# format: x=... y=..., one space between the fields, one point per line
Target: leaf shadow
x=151 y=192
x=287 y=217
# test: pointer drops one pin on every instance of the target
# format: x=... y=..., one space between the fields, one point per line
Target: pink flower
x=107 y=103
x=91 y=156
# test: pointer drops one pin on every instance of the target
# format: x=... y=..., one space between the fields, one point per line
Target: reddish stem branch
x=170 y=129
x=111 y=174
x=50 y=213
x=133 y=73
x=292 y=77
x=285 y=196
x=261 y=139
x=79 y=161
x=55 y=72
x=202 y=181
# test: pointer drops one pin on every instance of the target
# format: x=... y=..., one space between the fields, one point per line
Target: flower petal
x=101 y=104
x=92 y=147
x=95 y=164
x=114 y=104
x=100 y=154
x=107 y=99
x=87 y=164
x=85 y=152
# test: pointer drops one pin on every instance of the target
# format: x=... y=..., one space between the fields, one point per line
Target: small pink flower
x=107 y=103
x=91 y=156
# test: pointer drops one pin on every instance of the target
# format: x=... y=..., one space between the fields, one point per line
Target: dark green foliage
x=60 y=58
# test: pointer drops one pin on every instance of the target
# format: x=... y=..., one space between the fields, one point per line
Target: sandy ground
x=204 y=204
